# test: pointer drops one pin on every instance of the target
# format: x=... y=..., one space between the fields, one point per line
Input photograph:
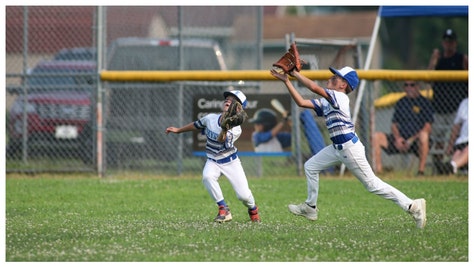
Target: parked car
x=58 y=107
x=59 y=103
x=133 y=53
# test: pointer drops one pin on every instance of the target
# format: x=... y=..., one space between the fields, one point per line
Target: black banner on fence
x=266 y=113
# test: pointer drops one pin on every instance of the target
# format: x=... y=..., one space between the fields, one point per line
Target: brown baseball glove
x=234 y=116
x=290 y=60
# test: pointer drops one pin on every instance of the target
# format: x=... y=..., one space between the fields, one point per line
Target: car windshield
x=60 y=79
x=77 y=54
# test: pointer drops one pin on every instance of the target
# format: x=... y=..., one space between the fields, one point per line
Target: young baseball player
x=222 y=159
x=346 y=147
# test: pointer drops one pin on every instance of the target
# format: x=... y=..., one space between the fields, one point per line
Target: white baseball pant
x=234 y=172
x=353 y=156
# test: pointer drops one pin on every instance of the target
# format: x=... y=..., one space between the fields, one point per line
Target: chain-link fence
x=53 y=87
x=48 y=97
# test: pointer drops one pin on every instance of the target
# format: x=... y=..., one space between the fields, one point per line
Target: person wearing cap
x=346 y=147
x=410 y=128
x=222 y=159
x=446 y=95
x=268 y=135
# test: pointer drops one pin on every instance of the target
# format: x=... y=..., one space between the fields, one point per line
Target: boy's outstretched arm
x=299 y=100
x=311 y=85
x=186 y=128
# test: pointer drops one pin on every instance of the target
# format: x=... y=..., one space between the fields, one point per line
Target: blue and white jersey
x=337 y=113
x=211 y=127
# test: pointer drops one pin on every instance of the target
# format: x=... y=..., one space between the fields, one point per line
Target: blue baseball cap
x=348 y=74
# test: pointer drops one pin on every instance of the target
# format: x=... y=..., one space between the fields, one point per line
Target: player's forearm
x=302 y=79
x=186 y=128
x=299 y=100
x=311 y=85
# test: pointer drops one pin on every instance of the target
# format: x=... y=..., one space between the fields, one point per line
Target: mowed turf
x=144 y=218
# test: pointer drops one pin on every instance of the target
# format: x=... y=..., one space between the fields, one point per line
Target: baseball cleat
x=224 y=215
x=418 y=211
x=304 y=210
x=253 y=214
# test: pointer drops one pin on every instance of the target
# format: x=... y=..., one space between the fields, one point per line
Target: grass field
x=144 y=218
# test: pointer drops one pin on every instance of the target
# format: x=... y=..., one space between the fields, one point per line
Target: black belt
x=341 y=146
x=225 y=160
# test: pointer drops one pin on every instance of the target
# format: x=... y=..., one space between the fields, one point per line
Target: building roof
x=353 y=25
x=332 y=26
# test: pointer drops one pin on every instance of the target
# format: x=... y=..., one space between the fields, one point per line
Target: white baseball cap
x=239 y=95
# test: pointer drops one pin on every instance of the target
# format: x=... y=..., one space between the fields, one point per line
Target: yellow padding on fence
x=389 y=100
x=264 y=75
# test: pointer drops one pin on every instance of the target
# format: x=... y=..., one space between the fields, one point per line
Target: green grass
x=142 y=218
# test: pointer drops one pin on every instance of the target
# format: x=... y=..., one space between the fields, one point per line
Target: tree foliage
x=408 y=42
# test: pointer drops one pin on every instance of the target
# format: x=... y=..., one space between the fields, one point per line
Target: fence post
x=99 y=116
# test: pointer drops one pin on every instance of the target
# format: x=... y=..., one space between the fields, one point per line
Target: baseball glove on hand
x=290 y=60
x=234 y=116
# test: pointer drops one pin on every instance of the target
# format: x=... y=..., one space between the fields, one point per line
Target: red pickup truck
x=58 y=110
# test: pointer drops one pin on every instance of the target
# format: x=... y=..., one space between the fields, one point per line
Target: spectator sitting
x=459 y=140
x=411 y=128
x=447 y=95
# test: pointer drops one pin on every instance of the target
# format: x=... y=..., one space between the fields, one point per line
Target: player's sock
x=455 y=167
x=222 y=203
